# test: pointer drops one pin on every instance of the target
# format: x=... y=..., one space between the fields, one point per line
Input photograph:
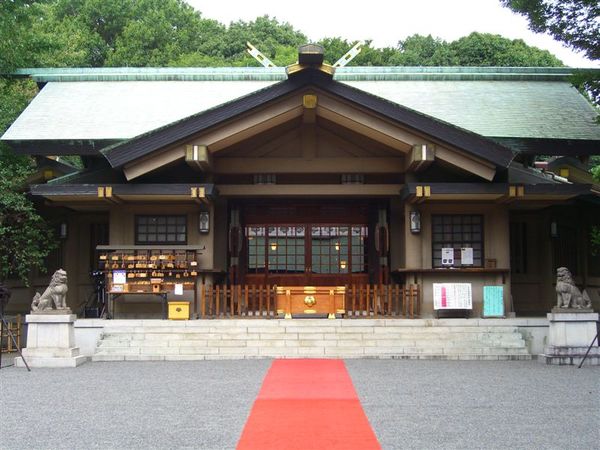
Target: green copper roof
x=120 y=103
x=278 y=73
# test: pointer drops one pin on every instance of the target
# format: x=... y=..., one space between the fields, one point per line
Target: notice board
x=452 y=296
x=493 y=301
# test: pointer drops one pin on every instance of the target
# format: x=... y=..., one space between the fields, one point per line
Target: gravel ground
x=479 y=405
x=129 y=405
x=204 y=405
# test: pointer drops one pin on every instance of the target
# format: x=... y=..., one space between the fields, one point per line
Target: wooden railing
x=15 y=326
x=260 y=301
x=391 y=300
x=237 y=301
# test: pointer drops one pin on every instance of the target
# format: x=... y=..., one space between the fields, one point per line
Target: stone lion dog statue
x=567 y=294
x=55 y=295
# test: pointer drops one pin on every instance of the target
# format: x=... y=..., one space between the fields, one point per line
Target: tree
x=418 y=50
x=25 y=238
x=485 y=49
x=574 y=22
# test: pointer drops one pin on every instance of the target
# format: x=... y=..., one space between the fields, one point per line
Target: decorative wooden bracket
x=421 y=156
x=199 y=195
x=515 y=192
x=198 y=157
x=106 y=193
x=422 y=193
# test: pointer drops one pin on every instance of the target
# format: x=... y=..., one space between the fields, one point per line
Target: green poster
x=493 y=301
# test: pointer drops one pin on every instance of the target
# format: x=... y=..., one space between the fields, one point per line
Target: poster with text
x=452 y=296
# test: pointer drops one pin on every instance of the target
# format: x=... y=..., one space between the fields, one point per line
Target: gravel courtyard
x=204 y=404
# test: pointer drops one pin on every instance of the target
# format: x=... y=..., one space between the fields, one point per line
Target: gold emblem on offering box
x=309 y=301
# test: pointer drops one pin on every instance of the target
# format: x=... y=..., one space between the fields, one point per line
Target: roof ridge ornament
x=310 y=56
x=258 y=55
x=350 y=54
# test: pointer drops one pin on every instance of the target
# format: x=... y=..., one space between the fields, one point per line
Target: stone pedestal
x=571 y=333
x=51 y=341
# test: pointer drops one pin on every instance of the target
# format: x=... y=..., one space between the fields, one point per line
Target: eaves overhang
x=155 y=191
x=496 y=192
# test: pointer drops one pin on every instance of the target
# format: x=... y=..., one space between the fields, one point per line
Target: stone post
x=51 y=341
x=570 y=335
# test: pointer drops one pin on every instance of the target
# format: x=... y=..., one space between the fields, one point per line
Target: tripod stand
x=4 y=296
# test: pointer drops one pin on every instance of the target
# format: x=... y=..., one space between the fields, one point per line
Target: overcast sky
x=386 y=22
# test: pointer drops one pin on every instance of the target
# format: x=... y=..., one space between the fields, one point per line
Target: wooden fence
x=15 y=326
x=362 y=301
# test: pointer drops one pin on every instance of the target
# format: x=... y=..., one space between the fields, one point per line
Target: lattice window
x=283 y=249
x=457 y=231
x=160 y=230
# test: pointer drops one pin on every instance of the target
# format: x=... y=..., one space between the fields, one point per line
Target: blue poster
x=493 y=301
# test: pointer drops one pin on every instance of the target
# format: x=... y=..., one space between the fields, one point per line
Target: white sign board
x=447 y=256
x=452 y=296
x=466 y=256
x=119 y=277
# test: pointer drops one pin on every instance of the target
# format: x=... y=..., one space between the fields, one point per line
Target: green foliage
x=418 y=50
x=97 y=33
x=25 y=239
x=14 y=21
x=476 y=49
x=485 y=49
x=266 y=33
x=574 y=22
x=596 y=172
x=588 y=83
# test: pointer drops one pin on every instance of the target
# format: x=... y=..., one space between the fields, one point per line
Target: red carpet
x=307 y=404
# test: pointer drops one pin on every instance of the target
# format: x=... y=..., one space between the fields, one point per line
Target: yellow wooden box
x=179 y=310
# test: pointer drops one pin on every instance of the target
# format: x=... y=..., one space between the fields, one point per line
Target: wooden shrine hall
x=314 y=190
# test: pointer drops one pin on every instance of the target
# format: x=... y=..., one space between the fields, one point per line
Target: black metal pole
x=588 y=351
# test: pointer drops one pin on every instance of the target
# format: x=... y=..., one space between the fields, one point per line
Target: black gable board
x=123 y=153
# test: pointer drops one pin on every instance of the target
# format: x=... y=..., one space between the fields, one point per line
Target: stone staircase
x=450 y=339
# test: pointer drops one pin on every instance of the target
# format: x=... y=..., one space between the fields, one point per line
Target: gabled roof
x=80 y=111
x=128 y=151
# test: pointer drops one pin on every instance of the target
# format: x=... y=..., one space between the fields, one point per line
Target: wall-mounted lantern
x=415 y=222
x=63 y=230
x=204 y=222
x=554 y=229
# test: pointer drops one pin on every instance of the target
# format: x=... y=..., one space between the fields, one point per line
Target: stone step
x=300 y=326
x=199 y=357
x=375 y=338
x=312 y=342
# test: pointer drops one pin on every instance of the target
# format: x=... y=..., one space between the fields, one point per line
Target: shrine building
x=360 y=189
